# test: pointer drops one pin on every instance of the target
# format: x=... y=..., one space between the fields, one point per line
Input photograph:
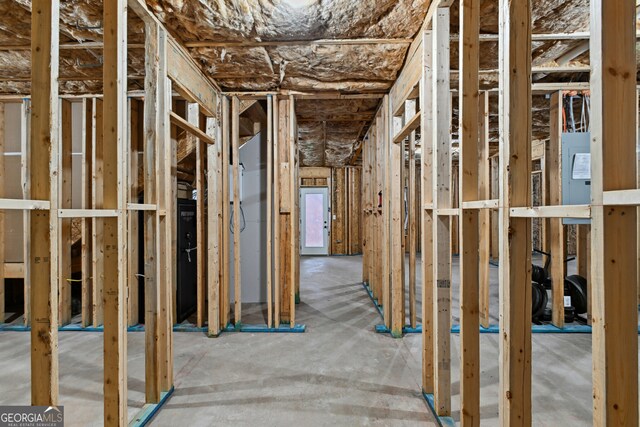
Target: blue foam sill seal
x=149 y=410
x=494 y=329
x=442 y=421
x=285 y=328
x=375 y=301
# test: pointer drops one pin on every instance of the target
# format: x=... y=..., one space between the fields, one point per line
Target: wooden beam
x=314 y=172
x=114 y=241
x=613 y=249
x=235 y=154
x=42 y=266
x=426 y=216
x=515 y=233
x=409 y=127
x=442 y=200
x=319 y=42
x=469 y=176
x=568 y=211
x=190 y=127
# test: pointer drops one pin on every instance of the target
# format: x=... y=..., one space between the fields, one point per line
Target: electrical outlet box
x=576 y=172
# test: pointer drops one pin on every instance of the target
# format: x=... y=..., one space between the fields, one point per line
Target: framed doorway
x=314 y=221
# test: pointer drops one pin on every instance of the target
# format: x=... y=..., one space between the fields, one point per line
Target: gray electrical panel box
x=576 y=172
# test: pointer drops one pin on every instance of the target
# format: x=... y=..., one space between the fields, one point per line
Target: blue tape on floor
x=149 y=410
x=442 y=421
x=285 y=328
x=373 y=300
x=536 y=329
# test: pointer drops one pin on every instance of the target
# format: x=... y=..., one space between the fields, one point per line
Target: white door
x=314 y=221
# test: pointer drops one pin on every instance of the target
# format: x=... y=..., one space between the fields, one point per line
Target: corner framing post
x=385 y=158
x=442 y=200
x=293 y=220
x=115 y=138
x=613 y=248
x=515 y=233
x=426 y=211
x=469 y=221
x=43 y=260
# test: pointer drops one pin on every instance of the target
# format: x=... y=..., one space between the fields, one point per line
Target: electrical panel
x=576 y=172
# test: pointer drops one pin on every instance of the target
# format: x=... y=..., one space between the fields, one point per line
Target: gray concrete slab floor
x=338 y=373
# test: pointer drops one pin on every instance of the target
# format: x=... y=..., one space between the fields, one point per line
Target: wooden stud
x=235 y=154
x=166 y=221
x=515 y=233
x=43 y=151
x=469 y=222
x=214 y=220
x=64 y=200
x=276 y=212
x=114 y=249
x=226 y=146
x=153 y=101
x=428 y=308
x=484 y=237
x=25 y=160
x=385 y=158
x=412 y=238
x=133 y=153
x=396 y=229
x=613 y=248
x=269 y=210
x=86 y=233
x=442 y=199
x=557 y=234
x=193 y=117
x=295 y=198
x=97 y=197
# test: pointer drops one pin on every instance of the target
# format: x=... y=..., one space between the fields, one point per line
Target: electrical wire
x=243 y=221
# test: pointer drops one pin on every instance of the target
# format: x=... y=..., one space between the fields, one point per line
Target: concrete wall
x=253 y=240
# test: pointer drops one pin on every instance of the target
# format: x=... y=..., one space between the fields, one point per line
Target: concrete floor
x=337 y=373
